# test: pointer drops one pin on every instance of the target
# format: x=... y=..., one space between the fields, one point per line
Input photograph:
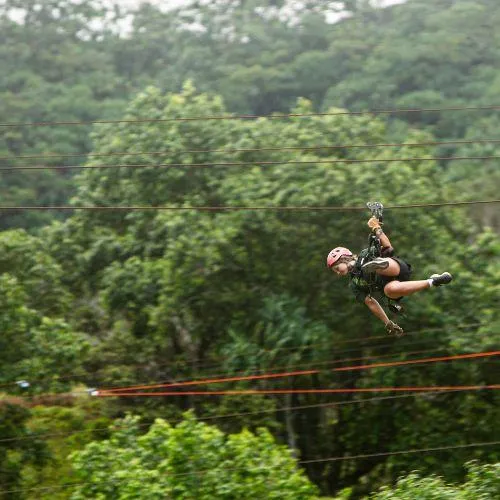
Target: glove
x=394 y=329
x=374 y=224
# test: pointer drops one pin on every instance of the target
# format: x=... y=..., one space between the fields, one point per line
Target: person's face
x=340 y=269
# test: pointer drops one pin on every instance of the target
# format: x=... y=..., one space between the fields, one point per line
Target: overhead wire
x=50 y=156
x=489 y=107
x=225 y=208
x=244 y=392
x=254 y=163
x=287 y=374
x=249 y=413
x=42 y=398
x=37 y=396
x=311 y=363
x=392 y=453
x=322 y=363
x=233 y=372
x=197 y=366
x=304 y=372
x=179 y=365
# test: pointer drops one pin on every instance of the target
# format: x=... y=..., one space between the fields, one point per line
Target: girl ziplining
x=376 y=269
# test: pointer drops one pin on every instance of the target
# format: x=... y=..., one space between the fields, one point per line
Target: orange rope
x=303 y=365
x=201 y=367
x=306 y=372
x=288 y=349
x=217 y=380
x=416 y=361
x=300 y=391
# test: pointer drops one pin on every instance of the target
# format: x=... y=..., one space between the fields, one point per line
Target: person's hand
x=394 y=329
x=374 y=224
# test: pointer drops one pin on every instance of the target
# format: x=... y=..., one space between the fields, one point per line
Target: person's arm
x=376 y=227
x=377 y=310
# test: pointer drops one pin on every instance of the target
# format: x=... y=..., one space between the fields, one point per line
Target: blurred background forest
x=96 y=299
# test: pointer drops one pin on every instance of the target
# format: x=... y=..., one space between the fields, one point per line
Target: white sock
x=431 y=282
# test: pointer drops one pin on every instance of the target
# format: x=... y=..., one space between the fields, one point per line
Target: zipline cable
x=49 y=156
x=225 y=208
x=248 y=163
x=489 y=107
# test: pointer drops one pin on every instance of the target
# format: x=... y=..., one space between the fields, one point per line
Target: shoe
x=441 y=279
x=375 y=264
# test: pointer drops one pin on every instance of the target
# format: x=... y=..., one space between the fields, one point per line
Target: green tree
x=177 y=290
x=482 y=482
x=191 y=460
x=18 y=447
x=34 y=347
x=54 y=68
x=64 y=425
x=66 y=61
x=28 y=259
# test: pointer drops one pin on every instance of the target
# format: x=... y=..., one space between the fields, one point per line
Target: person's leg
x=396 y=289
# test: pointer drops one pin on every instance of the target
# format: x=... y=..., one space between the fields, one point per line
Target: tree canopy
x=190 y=460
x=67 y=61
x=92 y=299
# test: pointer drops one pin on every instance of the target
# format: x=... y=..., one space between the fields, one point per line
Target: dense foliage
x=84 y=60
x=481 y=482
x=117 y=298
x=191 y=460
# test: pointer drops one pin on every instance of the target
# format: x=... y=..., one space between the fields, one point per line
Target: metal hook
x=376 y=208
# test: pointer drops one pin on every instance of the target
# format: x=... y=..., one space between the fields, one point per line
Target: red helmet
x=335 y=255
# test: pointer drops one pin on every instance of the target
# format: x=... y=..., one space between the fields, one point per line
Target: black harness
x=374 y=251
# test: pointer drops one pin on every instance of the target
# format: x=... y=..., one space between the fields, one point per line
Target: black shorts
x=404 y=272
